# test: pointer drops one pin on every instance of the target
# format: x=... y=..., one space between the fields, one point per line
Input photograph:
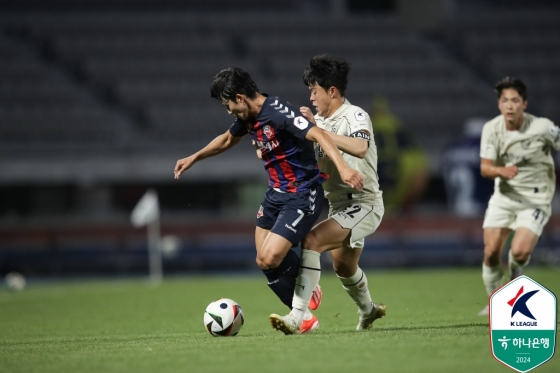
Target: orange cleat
x=315 y=301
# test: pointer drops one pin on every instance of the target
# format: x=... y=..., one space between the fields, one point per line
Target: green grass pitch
x=132 y=326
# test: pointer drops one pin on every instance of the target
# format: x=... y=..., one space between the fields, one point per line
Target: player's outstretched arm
x=219 y=145
x=355 y=146
x=489 y=171
x=348 y=175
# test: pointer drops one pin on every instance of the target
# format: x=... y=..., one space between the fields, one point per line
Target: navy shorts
x=290 y=215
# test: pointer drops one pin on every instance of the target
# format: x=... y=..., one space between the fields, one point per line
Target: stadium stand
x=129 y=89
x=41 y=108
x=524 y=44
x=157 y=68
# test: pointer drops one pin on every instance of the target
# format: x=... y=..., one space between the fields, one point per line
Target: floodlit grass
x=132 y=326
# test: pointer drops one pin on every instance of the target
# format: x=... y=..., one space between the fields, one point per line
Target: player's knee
x=491 y=256
x=260 y=263
x=270 y=260
x=343 y=269
x=311 y=242
x=491 y=251
x=520 y=256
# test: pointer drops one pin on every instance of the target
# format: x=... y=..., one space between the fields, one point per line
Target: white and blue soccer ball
x=223 y=318
x=15 y=281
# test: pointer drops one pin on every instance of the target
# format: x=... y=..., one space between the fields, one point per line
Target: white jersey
x=348 y=121
x=527 y=148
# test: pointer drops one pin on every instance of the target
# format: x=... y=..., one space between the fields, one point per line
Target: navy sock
x=289 y=265
x=282 y=279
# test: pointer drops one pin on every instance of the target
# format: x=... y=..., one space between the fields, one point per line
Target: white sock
x=492 y=277
x=307 y=280
x=301 y=315
x=513 y=265
x=357 y=287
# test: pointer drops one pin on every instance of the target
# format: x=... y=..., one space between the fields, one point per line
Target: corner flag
x=146 y=212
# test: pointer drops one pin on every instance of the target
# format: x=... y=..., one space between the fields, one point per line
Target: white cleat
x=366 y=321
x=286 y=324
x=484 y=311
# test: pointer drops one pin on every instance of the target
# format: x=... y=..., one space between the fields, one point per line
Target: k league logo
x=301 y=123
x=522 y=317
x=519 y=304
x=359 y=116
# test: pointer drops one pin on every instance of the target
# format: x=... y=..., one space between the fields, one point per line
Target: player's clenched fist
x=352 y=178
x=508 y=172
x=307 y=113
x=183 y=165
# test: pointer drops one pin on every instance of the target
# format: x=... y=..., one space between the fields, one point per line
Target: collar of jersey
x=527 y=118
x=338 y=111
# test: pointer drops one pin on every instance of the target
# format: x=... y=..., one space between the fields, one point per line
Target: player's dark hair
x=327 y=71
x=231 y=81
x=511 y=83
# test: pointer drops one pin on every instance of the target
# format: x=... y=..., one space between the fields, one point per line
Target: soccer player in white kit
x=353 y=214
x=515 y=151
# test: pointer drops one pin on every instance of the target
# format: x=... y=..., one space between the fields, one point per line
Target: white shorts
x=503 y=212
x=361 y=219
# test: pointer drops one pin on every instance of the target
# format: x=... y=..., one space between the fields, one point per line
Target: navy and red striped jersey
x=279 y=130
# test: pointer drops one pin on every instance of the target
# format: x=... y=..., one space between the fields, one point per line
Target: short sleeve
x=487 y=144
x=298 y=126
x=238 y=129
x=359 y=121
x=286 y=117
x=552 y=135
x=359 y=124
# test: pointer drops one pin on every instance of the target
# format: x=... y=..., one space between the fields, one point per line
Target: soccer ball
x=223 y=318
x=15 y=281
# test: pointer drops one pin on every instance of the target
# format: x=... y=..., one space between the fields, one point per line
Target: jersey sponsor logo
x=301 y=123
x=267 y=131
x=361 y=134
x=267 y=145
x=512 y=159
x=359 y=115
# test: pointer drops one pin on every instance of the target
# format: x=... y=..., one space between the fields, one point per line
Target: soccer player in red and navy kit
x=285 y=140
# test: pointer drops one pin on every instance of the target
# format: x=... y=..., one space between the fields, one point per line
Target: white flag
x=146 y=210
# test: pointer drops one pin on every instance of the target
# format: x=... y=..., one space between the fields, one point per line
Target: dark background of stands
x=99 y=98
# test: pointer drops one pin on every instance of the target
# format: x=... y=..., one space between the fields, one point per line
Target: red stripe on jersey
x=271 y=171
x=289 y=174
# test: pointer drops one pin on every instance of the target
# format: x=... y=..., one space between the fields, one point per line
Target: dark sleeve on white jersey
x=238 y=129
